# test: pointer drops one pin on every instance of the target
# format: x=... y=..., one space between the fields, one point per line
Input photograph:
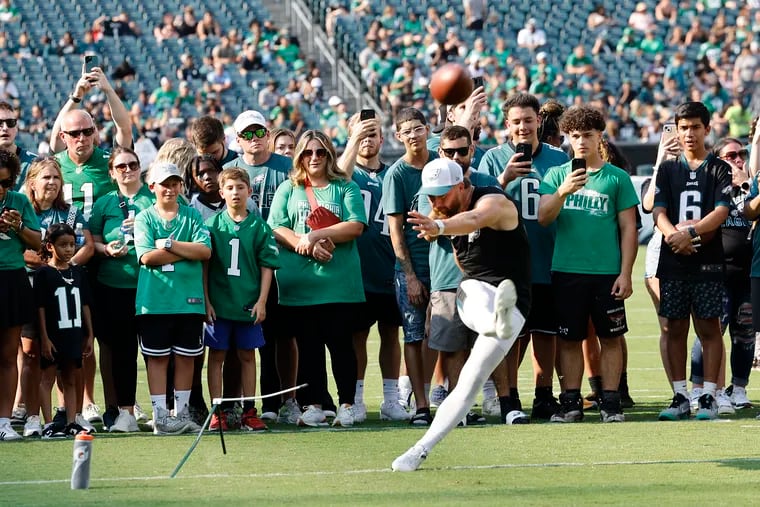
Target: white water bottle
x=80 y=469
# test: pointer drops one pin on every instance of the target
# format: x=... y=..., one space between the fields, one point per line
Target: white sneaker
x=492 y=407
x=140 y=414
x=84 y=423
x=124 y=423
x=329 y=413
x=92 y=413
x=345 y=416
x=290 y=412
x=360 y=412
x=268 y=416
x=694 y=398
x=739 y=398
x=506 y=298
x=166 y=424
x=410 y=460
x=393 y=411
x=18 y=416
x=404 y=390
x=438 y=395
x=7 y=433
x=517 y=417
x=312 y=416
x=725 y=407
x=32 y=426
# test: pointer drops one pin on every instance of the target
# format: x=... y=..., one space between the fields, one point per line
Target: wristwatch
x=167 y=244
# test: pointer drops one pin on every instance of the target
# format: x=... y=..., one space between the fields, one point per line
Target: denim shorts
x=412 y=317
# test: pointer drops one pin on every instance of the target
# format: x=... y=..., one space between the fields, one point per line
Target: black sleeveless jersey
x=493 y=256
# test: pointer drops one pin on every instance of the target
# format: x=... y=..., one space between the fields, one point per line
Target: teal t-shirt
x=375 y=248
x=524 y=191
x=265 y=178
x=434 y=142
x=755 y=271
x=175 y=288
x=400 y=188
x=302 y=280
x=84 y=184
x=26 y=158
x=239 y=251
x=11 y=246
x=106 y=219
x=588 y=235
x=444 y=272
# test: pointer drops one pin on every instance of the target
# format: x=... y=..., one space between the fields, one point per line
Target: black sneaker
x=60 y=418
x=544 y=409
x=198 y=414
x=421 y=418
x=472 y=419
x=53 y=431
x=571 y=408
x=610 y=409
x=73 y=429
x=109 y=417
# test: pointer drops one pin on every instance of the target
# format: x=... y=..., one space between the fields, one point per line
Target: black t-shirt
x=692 y=195
x=737 y=246
x=62 y=294
x=493 y=256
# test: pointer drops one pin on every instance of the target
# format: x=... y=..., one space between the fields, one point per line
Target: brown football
x=706 y=237
x=451 y=84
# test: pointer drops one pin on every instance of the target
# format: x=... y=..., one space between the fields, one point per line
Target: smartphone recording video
x=90 y=62
x=526 y=152
x=366 y=114
x=578 y=163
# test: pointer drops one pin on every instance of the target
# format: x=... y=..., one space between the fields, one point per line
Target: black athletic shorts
x=376 y=308
x=162 y=334
x=543 y=312
x=580 y=297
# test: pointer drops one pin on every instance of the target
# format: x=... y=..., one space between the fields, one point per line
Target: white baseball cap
x=248 y=118
x=334 y=101
x=162 y=171
x=440 y=176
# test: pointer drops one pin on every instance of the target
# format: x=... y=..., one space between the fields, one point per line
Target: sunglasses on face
x=129 y=166
x=76 y=133
x=248 y=134
x=462 y=152
x=733 y=155
x=320 y=153
x=9 y=122
x=6 y=183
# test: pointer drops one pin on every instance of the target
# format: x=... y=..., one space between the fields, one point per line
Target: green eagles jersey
x=265 y=178
x=239 y=251
x=588 y=235
x=375 y=248
x=400 y=187
x=176 y=287
x=302 y=280
x=11 y=246
x=106 y=219
x=26 y=158
x=444 y=272
x=84 y=184
x=524 y=191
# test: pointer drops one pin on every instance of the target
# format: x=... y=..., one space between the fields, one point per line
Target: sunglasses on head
x=6 y=183
x=9 y=122
x=76 y=133
x=743 y=154
x=462 y=152
x=320 y=153
x=248 y=134
x=131 y=166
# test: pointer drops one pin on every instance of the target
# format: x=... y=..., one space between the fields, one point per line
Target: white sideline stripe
x=388 y=470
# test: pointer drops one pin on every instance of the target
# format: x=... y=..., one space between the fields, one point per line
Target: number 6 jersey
x=692 y=195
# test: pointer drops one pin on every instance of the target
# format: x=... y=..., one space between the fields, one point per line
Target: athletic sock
x=390 y=390
x=157 y=401
x=359 y=396
x=623 y=387
x=596 y=384
x=513 y=393
x=679 y=387
x=710 y=388
x=181 y=401
x=505 y=403
x=544 y=393
x=489 y=390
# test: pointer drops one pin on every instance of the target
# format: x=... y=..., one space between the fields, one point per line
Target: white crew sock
x=359 y=396
x=390 y=390
x=157 y=401
x=710 y=388
x=679 y=386
x=181 y=401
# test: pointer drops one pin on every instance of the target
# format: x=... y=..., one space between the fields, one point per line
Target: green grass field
x=640 y=462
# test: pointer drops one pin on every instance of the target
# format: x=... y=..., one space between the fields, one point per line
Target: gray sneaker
x=571 y=409
x=290 y=412
x=165 y=424
x=708 y=408
x=680 y=408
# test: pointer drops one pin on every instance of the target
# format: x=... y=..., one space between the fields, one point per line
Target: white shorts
x=653 y=254
x=476 y=304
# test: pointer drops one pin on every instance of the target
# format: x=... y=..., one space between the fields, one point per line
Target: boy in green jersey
x=236 y=284
x=171 y=242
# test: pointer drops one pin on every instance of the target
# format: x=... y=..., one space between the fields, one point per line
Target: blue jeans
x=412 y=317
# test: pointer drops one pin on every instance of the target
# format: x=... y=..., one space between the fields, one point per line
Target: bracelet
x=20 y=227
x=441 y=227
x=73 y=98
x=692 y=232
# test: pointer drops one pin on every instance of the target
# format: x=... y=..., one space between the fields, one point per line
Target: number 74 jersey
x=84 y=184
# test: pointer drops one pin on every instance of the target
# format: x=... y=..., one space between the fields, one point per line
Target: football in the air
x=706 y=237
x=451 y=84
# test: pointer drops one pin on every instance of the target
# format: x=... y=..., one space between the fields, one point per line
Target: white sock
x=710 y=388
x=359 y=396
x=489 y=390
x=157 y=401
x=679 y=386
x=181 y=401
x=390 y=390
x=485 y=356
